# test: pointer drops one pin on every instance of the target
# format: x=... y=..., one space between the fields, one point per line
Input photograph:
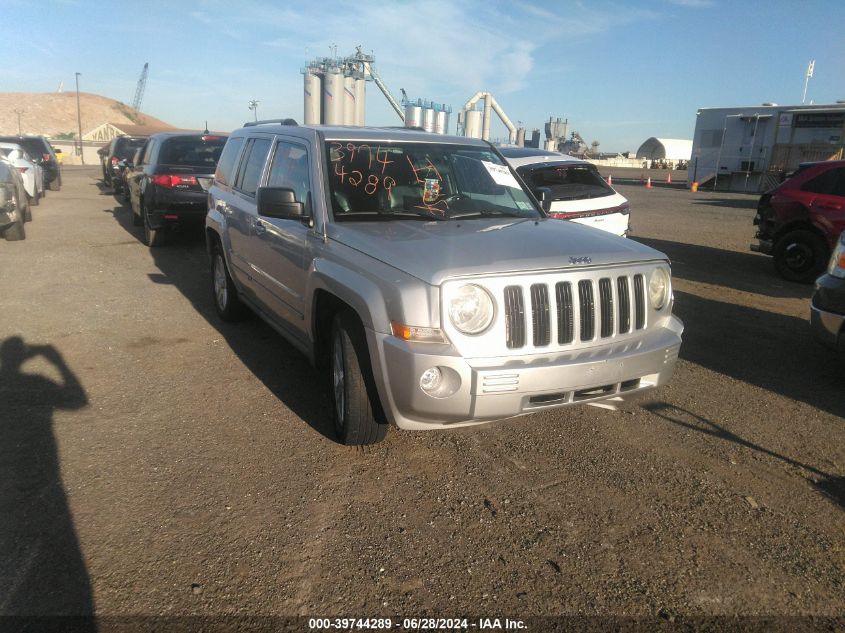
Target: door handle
x=259 y=227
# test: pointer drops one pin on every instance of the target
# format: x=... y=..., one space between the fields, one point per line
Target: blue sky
x=619 y=71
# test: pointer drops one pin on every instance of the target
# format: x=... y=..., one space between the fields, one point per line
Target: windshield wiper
x=486 y=213
x=404 y=214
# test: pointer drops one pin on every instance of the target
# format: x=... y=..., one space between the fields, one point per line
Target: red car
x=800 y=220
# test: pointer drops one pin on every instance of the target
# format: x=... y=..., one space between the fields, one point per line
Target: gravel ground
x=156 y=461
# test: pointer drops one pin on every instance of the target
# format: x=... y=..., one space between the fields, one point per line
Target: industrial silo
x=441 y=120
x=360 y=100
x=428 y=117
x=520 y=137
x=472 y=123
x=313 y=97
x=333 y=97
x=413 y=114
x=348 y=100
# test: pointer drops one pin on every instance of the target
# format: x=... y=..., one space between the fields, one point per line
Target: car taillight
x=211 y=138
x=114 y=160
x=169 y=181
x=45 y=158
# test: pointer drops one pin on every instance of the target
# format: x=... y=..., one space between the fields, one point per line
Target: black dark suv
x=40 y=149
x=168 y=185
x=120 y=148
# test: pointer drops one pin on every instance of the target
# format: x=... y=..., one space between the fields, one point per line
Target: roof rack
x=281 y=121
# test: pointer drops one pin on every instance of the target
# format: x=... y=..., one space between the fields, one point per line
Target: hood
x=436 y=251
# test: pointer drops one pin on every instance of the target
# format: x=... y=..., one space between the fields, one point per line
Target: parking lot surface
x=155 y=460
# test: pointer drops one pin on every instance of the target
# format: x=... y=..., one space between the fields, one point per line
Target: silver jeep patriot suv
x=422 y=274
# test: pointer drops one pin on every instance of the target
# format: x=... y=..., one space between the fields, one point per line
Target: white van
x=577 y=190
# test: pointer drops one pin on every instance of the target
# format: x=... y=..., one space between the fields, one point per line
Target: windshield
x=429 y=181
x=569 y=182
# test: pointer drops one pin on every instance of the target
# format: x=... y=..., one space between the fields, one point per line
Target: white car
x=571 y=188
x=31 y=172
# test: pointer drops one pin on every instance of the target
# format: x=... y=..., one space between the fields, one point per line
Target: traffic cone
x=609 y=179
x=669 y=179
x=648 y=183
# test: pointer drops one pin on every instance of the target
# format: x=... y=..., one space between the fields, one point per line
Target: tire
x=137 y=218
x=27 y=215
x=801 y=256
x=225 y=295
x=153 y=238
x=16 y=231
x=353 y=391
x=35 y=200
x=56 y=183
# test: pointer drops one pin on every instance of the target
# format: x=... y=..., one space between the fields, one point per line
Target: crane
x=139 y=91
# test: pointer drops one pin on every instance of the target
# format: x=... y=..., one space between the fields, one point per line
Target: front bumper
x=827 y=312
x=763 y=246
x=495 y=388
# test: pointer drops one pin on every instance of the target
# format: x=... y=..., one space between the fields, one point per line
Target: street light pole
x=79 y=119
x=253 y=105
x=19 y=113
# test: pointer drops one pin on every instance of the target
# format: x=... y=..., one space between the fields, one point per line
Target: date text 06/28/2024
x=414 y=624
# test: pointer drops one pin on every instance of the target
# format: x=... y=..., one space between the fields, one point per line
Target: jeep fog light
x=471 y=309
x=440 y=382
x=658 y=288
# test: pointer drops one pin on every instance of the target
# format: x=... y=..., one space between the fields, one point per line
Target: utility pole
x=253 y=105
x=810 y=67
x=79 y=119
x=19 y=113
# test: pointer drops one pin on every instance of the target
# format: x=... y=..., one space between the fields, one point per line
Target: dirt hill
x=54 y=113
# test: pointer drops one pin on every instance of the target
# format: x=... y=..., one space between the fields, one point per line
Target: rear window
x=33 y=146
x=568 y=182
x=226 y=164
x=192 y=151
x=126 y=147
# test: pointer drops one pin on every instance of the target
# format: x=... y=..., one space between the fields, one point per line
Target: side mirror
x=279 y=202
x=544 y=196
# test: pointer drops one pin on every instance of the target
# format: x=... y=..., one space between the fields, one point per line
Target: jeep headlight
x=658 y=288
x=837 y=260
x=471 y=309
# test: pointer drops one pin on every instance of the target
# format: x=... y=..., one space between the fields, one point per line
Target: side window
x=290 y=170
x=142 y=152
x=226 y=164
x=826 y=183
x=253 y=165
x=148 y=152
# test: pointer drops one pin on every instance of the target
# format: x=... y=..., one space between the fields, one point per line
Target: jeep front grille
x=607 y=310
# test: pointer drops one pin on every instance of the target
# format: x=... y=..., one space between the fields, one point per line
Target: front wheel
x=353 y=391
x=801 y=256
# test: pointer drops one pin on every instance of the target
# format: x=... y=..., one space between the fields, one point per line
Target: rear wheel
x=56 y=183
x=801 y=255
x=352 y=386
x=226 y=301
x=35 y=200
x=16 y=231
x=137 y=218
x=152 y=237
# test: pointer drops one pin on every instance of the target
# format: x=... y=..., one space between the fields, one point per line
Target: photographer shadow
x=42 y=571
